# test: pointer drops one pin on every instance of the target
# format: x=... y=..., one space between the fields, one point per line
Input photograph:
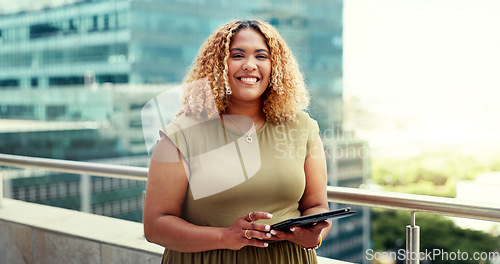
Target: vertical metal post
x=412 y=242
x=7 y=185
x=85 y=194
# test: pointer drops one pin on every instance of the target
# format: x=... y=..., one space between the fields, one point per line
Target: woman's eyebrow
x=237 y=49
x=242 y=50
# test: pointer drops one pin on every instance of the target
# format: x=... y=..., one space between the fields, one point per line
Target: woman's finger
x=257 y=226
x=254 y=216
x=295 y=232
x=257 y=230
x=257 y=243
x=254 y=234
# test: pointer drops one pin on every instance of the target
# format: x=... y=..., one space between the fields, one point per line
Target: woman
x=240 y=156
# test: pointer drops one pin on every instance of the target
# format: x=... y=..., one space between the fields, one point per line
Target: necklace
x=248 y=139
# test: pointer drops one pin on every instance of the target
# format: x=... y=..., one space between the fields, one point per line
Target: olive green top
x=230 y=177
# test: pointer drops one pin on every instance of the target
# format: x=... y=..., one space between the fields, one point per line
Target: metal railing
x=415 y=203
x=381 y=199
x=76 y=167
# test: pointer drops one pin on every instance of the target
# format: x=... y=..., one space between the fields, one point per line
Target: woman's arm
x=166 y=191
x=313 y=201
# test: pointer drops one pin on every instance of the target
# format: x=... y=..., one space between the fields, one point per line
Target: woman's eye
x=237 y=56
x=261 y=56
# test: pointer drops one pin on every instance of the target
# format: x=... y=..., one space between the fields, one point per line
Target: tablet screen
x=311 y=219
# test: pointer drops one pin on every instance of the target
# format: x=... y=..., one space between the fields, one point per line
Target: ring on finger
x=250 y=216
x=246 y=234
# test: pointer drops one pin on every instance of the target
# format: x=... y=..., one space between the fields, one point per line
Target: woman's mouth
x=250 y=80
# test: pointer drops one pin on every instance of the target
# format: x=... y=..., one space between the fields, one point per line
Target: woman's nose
x=250 y=65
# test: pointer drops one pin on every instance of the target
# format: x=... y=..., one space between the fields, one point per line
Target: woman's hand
x=307 y=236
x=245 y=232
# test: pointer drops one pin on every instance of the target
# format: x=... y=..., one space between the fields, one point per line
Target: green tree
x=430 y=173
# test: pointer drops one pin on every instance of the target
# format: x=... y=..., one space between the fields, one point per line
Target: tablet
x=311 y=219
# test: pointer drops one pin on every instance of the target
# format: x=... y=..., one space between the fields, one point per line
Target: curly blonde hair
x=284 y=97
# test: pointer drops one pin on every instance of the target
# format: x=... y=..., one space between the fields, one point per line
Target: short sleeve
x=312 y=132
x=176 y=134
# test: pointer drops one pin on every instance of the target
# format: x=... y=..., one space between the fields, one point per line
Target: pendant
x=249 y=139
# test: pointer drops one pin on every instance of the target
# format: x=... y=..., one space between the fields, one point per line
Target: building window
x=43 y=30
x=72 y=26
x=34 y=82
x=136 y=123
x=17 y=112
x=106 y=22
x=95 y=23
x=9 y=83
x=69 y=80
x=54 y=112
x=15 y=60
x=112 y=78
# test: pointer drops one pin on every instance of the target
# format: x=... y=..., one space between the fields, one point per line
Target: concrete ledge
x=33 y=233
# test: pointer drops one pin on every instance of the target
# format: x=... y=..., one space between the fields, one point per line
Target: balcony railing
x=381 y=199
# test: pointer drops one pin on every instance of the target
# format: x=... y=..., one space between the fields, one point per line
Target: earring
x=227 y=88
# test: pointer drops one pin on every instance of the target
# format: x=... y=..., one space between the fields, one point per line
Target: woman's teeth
x=249 y=80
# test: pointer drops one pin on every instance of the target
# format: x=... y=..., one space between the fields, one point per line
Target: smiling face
x=249 y=66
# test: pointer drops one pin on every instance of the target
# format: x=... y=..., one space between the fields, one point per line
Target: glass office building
x=154 y=42
x=101 y=61
x=348 y=164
